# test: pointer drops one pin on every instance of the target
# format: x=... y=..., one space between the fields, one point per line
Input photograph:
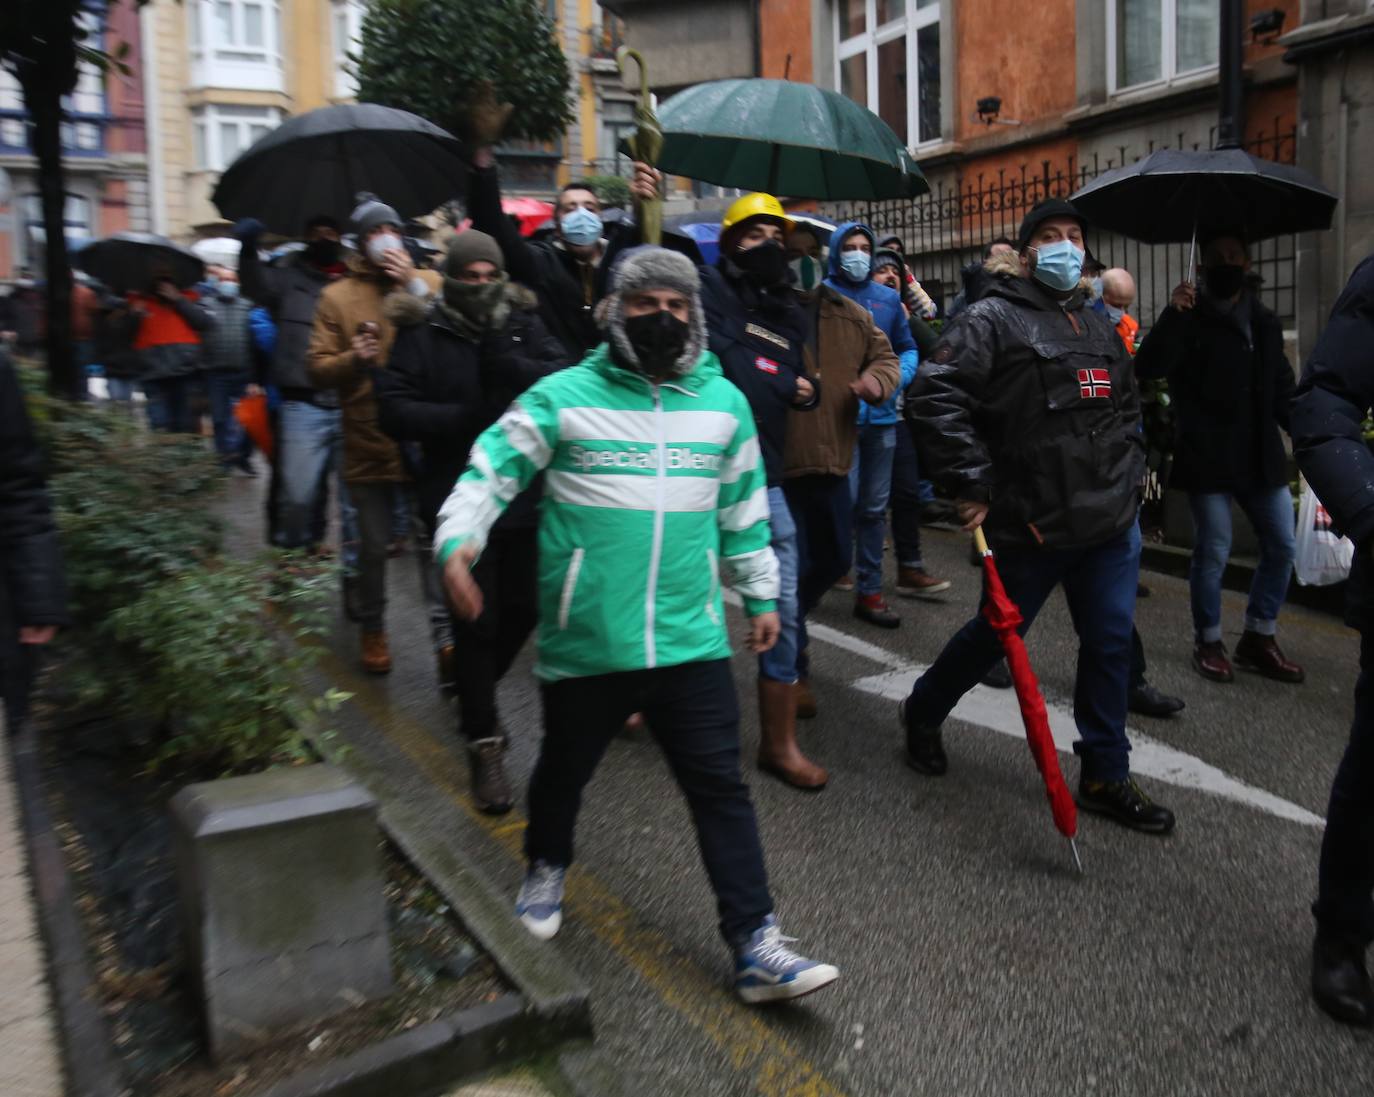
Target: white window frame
x=233 y=64
x=208 y=151
x=1169 y=55
x=353 y=11
x=910 y=23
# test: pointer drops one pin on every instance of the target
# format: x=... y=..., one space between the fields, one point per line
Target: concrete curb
x=87 y=1057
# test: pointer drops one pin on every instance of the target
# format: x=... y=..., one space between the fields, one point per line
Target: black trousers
x=693 y=712
x=1345 y=879
x=507 y=573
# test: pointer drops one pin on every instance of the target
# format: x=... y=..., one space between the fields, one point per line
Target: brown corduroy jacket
x=848 y=343
x=370 y=456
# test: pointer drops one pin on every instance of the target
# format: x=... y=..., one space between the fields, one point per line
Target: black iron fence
x=948 y=228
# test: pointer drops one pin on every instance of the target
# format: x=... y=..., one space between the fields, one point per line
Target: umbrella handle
x=980 y=542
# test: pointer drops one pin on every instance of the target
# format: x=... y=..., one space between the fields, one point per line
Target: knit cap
x=472 y=246
x=371 y=212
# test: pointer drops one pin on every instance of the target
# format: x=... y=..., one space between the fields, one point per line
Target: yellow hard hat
x=754 y=205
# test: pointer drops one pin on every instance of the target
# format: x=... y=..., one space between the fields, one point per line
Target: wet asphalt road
x=974 y=960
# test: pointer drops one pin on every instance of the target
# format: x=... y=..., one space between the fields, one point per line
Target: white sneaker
x=540 y=903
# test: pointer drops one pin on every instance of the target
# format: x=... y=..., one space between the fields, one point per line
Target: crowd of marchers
x=598 y=437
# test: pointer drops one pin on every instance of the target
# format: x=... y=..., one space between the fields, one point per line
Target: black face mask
x=1224 y=280
x=764 y=264
x=658 y=339
x=322 y=253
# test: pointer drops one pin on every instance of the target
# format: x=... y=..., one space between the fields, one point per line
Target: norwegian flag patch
x=766 y=364
x=1095 y=384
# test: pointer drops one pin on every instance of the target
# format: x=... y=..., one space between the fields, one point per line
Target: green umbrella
x=784 y=138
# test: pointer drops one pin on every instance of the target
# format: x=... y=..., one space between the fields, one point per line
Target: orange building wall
x=124 y=92
x=1023 y=55
x=785 y=28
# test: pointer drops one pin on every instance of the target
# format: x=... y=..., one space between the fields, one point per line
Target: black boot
x=925 y=749
x=999 y=677
x=1145 y=700
x=1123 y=802
x=1340 y=980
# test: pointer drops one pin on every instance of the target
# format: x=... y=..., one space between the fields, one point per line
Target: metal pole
x=1231 y=115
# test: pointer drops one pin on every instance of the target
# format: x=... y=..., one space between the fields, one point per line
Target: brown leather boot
x=805 y=700
x=779 y=754
x=490 y=789
x=1262 y=653
x=376 y=651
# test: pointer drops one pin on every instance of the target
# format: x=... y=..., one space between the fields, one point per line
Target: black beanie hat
x=1044 y=211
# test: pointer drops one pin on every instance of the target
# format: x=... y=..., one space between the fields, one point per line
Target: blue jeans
x=692 y=711
x=120 y=389
x=779 y=664
x=1345 y=880
x=906 y=501
x=823 y=512
x=1100 y=585
x=231 y=441
x=309 y=448
x=169 y=404
x=870 y=484
x=1270 y=511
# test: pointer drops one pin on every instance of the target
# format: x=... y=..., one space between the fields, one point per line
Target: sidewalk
x=29 y=1065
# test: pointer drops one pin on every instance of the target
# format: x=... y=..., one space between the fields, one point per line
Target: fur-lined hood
x=1009 y=263
x=405 y=310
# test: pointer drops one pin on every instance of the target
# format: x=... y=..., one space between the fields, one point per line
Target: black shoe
x=1142 y=591
x=925 y=752
x=1145 y=700
x=1340 y=980
x=872 y=608
x=999 y=677
x=1123 y=802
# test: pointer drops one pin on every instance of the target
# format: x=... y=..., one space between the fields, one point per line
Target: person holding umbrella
x=1027 y=412
x=1230 y=384
x=1328 y=414
x=170 y=324
x=351 y=338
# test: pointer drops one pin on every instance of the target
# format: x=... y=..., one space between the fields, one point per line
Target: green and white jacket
x=649 y=490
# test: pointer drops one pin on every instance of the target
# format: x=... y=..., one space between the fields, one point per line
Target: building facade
x=104 y=144
x=1001 y=103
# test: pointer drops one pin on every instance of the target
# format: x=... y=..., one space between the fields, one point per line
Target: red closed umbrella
x=1004 y=616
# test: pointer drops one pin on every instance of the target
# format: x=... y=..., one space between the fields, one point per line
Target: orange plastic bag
x=251 y=412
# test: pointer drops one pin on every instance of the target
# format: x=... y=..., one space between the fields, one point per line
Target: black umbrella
x=1173 y=194
x=318 y=162
x=131 y=260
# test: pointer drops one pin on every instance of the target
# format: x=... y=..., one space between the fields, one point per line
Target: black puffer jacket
x=568 y=292
x=760 y=338
x=1327 y=418
x=1028 y=404
x=442 y=390
x=1231 y=385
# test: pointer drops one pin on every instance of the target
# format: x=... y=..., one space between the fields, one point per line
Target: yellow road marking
x=754 y=1048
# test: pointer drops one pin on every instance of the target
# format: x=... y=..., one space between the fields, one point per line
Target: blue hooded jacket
x=886 y=307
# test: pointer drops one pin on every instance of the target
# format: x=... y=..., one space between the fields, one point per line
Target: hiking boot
x=766 y=970
x=1123 y=802
x=806 y=700
x=490 y=789
x=540 y=902
x=1209 y=660
x=999 y=677
x=917 y=583
x=779 y=754
x=1340 y=980
x=446 y=658
x=1262 y=653
x=872 y=608
x=376 y=651
x=925 y=748
x=844 y=583
x=1145 y=700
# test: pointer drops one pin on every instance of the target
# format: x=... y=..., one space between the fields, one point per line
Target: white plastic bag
x=1323 y=558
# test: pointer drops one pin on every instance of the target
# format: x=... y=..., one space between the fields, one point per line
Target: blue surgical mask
x=1059 y=265
x=1097 y=287
x=580 y=228
x=1114 y=314
x=228 y=290
x=856 y=265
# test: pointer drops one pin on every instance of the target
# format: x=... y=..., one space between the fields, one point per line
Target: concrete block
x=282 y=902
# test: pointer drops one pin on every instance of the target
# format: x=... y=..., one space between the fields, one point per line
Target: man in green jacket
x=653 y=484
